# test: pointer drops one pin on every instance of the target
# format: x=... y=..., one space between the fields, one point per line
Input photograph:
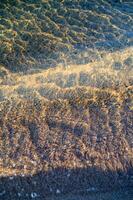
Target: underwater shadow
x=60 y=181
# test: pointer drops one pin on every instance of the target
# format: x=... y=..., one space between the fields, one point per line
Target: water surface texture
x=40 y=34
x=66 y=99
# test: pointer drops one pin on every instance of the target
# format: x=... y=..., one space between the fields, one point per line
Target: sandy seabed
x=66 y=99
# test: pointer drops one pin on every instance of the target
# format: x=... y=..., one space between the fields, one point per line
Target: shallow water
x=88 y=44
x=66 y=82
x=42 y=34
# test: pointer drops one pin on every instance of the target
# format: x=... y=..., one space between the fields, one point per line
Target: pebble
x=13 y=165
x=11 y=178
x=19 y=194
x=91 y=189
x=33 y=195
x=58 y=191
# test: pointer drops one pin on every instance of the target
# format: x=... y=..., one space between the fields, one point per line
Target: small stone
x=22 y=175
x=58 y=191
x=33 y=195
x=91 y=189
x=19 y=194
x=11 y=178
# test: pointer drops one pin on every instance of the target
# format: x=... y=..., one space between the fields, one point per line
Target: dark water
x=117 y=195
